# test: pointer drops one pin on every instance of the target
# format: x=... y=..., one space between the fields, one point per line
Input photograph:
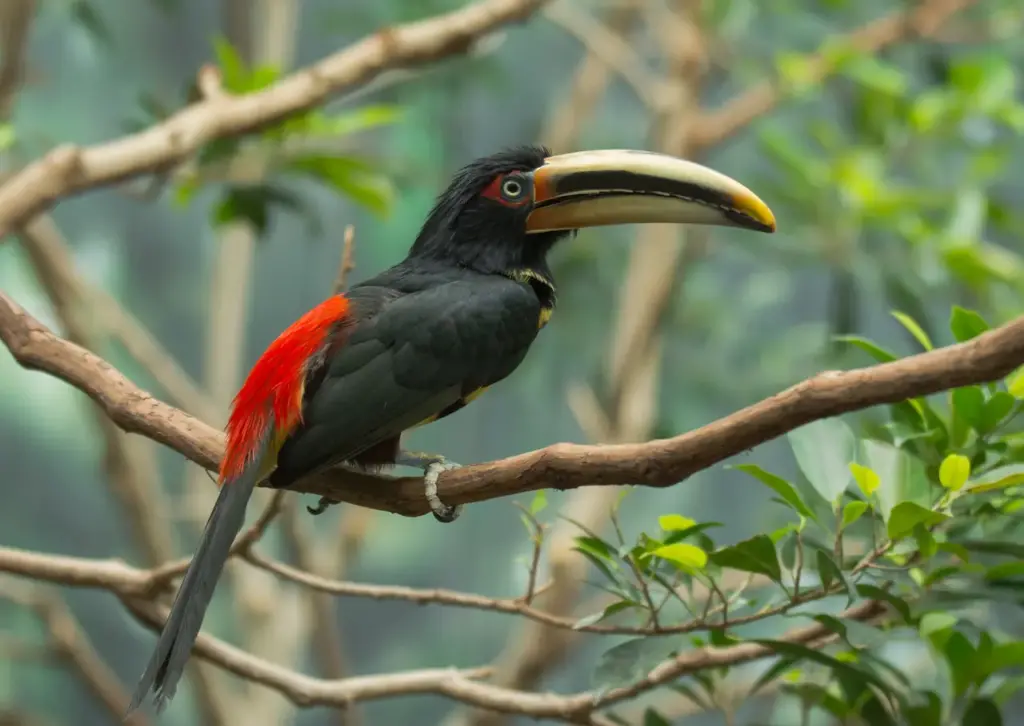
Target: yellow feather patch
x=424 y=422
x=282 y=431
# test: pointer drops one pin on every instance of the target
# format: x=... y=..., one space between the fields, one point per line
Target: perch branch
x=658 y=463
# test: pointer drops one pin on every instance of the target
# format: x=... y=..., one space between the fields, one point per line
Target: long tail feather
x=196 y=591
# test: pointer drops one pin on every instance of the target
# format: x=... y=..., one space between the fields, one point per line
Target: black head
x=479 y=221
x=504 y=212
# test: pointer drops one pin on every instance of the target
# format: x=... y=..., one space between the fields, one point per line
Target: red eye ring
x=511 y=190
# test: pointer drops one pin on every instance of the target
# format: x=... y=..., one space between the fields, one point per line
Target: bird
x=422 y=339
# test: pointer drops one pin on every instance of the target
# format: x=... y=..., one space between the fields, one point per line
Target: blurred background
x=886 y=136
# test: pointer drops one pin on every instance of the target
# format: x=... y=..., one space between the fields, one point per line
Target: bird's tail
x=196 y=591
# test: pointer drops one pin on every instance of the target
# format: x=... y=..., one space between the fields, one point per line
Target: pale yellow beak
x=596 y=188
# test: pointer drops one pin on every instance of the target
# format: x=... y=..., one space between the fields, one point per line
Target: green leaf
x=1007 y=690
x=817 y=696
x=872 y=72
x=913 y=328
x=599 y=554
x=253 y=204
x=968 y=404
x=233 y=73
x=615 y=607
x=960 y=655
x=830 y=573
x=797 y=72
x=687 y=556
x=902 y=477
x=954 y=471
x=867 y=480
x=999 y=478
x=997 y=407
x=983 y=711
x=877 y=352
x=540 y=501
x=852 y=512
x=876 y=593
x=260 y=78
x=1015 y=383
x=928 y=713
x=352 y=178
x=595 y=546
x=907 y=515
x=362 y=119
x=838 y=667
x=781 y=487
x=675 y=522
x=926 y=544
x=823 y=450
x=966 y=324
x=7 y=136
x=756 y=554
x=933 y=622
x=631 y=660
x=653 y=718
x=773 y=673
x=994 y=547
x=1005 y=571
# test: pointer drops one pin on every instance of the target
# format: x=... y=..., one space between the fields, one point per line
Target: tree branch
x=69 y=169
x=610 y=48
x=658 y=463
x=132 y=586
x=924 y=20
x=73 y=647
x=15 y=24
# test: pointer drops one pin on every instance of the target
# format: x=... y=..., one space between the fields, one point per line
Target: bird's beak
x=595 y=188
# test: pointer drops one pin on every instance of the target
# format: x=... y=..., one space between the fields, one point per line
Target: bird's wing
x=405 y=359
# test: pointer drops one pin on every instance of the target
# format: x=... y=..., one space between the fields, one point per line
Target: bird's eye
x=512 y=189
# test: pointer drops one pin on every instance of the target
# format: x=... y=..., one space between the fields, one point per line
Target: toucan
x=419 y=341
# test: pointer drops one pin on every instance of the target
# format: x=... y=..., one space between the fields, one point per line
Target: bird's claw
x=442 y=512
x=321 y=506
x=432 y=465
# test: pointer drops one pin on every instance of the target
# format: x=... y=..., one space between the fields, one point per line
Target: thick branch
x=658 y=463
x=69 y=169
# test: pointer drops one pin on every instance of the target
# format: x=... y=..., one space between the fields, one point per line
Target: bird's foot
x=321 y=506
x=432 y=466
x=325 y=502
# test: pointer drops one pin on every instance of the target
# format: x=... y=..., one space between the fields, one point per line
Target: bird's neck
x=541 y=282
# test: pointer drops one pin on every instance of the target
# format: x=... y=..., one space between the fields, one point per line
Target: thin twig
x=348 y=262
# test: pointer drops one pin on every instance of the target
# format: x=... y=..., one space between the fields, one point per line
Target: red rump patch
x=275 y=383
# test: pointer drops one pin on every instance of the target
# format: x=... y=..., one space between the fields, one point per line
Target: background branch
x=923 y=19
x=73 y=648
x=69 y=170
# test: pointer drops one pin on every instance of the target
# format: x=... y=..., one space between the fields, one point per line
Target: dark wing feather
x=408 y=357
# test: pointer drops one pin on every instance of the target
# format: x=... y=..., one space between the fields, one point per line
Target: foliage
x=918 y=513
x=310 y=145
